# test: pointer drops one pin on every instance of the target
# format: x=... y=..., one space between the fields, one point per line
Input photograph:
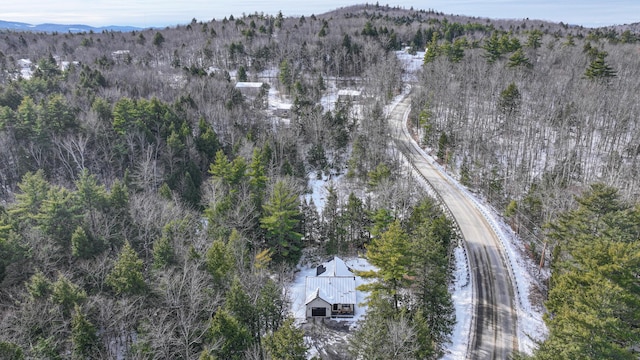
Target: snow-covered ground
x=462 y=296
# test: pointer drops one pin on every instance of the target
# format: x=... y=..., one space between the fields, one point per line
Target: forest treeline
x=150 y=210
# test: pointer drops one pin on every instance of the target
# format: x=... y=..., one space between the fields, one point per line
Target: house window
x=335 y=307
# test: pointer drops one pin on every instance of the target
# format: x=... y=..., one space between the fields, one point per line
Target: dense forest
x=151 y=210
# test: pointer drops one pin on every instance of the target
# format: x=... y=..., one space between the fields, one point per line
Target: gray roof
x=334 y=290
x=335 y=267
x=248 y=84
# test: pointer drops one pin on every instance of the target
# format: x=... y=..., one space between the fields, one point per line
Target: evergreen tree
x=390 y=253
x=81 y=245
x=594 y=297
x=599 y=69
x=230 y=336
x=58 y=217
x=239 y=306
x=39 y=287
x=534 y=40
x=242 y=74
x=219 y=262
x=66 y=294
x=492 y=48
x=443 y=145
x=33 y=192
x=455 y=50
x=85 y=343
x=280 y=220
x=510 y=100
x=271 y=306
x=433 y=50
x=158 y=39
x=430 y=250
x=519 y=59
x=163 y=254
x=286 y=76
x=126 y=277
x=257 y=176
x=286 y=343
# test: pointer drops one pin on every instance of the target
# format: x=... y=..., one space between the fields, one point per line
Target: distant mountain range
x=61 y=28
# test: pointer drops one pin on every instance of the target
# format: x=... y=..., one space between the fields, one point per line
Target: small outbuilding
x=332 y=292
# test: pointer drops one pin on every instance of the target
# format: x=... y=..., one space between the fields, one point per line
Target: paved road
x=493 y=325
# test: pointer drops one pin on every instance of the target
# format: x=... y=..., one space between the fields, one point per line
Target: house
x=283 y=110
x=121 y=56
x=249 y=89
x=332 y=292
x=349 y=95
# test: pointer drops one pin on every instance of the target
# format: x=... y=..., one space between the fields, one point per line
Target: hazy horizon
x=160 y=13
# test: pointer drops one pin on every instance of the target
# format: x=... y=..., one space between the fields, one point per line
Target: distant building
x=349 y=95
x=249 y=89
x=121 y=56
x=283 y=110
x=332 y=292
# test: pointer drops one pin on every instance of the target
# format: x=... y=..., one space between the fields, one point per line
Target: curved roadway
x=493 y=325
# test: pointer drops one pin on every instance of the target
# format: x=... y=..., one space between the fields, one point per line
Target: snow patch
x=462 y=296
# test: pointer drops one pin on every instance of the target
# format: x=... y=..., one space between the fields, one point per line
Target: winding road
x=493 y=333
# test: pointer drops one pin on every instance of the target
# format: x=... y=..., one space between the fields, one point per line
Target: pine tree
x=163 y=254
x=510 y=100
x=84 y=338
x=81 y=245
x=519 y=59
x=433 y=50
x=230 y=336
x=390 y=253
x=534 y=40
x=443 y=145
x=66 y=294
x=286 y=343
x=219 y=262
x=492 y=48
x=599 y=69
x=280 y=220
x=126 y=277
x=33 y=191
x=39 y=287
x=594 y=297
x=239 y=305
x=242 y=74
x=59 y=216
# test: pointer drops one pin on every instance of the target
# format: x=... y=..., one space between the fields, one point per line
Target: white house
x=332 y=292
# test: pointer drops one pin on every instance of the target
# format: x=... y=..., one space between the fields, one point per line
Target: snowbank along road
x=493 y=333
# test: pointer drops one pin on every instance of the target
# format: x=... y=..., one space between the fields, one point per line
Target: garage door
x=318 y=311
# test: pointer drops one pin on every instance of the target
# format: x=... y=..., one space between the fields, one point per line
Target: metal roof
x=334 y=290
x=248 y=84
x=335 y=267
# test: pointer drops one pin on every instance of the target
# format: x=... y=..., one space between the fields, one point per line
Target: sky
x=160 y=13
